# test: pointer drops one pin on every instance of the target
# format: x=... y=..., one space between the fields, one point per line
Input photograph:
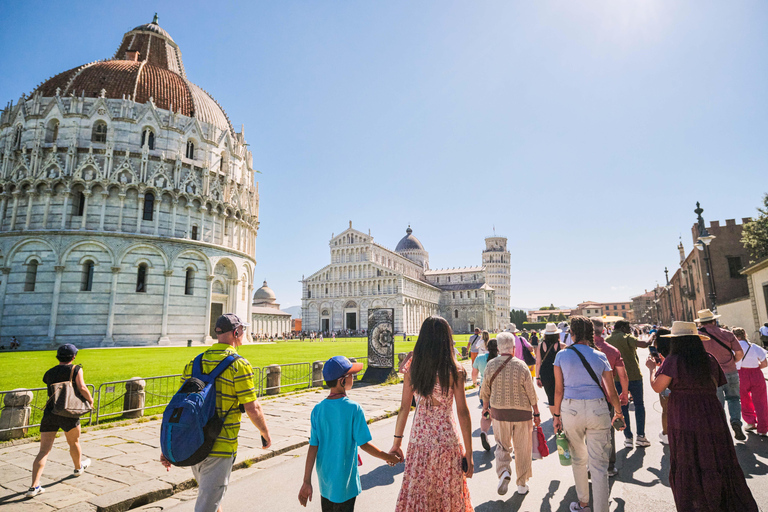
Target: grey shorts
x=212 y=477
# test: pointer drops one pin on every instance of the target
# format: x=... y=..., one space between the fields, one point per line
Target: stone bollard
x=134 y=398
x=317 y=374
x=464 y=352
x=273 y=379
x=15 y=414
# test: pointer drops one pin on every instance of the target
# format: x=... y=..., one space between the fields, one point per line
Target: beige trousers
x=517 y=436
x=587 y=425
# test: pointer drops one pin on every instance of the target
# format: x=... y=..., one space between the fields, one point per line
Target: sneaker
x=642 y=441
x=34 y=491
x=484 y=441
x=628 y=443
x=522 y=489
x=750 y=427
x=737 y=432
x=612 y=472
x=576 y=507
x=504 y=483
x=664 y=438
x=83 y=466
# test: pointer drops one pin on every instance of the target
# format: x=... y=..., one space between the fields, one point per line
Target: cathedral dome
x=147 y=64
x=264 y=293
x=409 y=242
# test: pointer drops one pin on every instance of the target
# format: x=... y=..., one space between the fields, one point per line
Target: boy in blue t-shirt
x=338 y=428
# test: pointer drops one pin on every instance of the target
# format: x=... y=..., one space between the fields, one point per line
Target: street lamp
x=702 y=243
x=669 y=297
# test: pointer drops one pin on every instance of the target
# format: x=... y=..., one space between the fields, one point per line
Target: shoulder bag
x=65 y=400
x=498 y=370
x=591 y=373
x=529 y=358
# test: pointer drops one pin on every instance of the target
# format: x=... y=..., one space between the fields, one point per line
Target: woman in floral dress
x=434 y=479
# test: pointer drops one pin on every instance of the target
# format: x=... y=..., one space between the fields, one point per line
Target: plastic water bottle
x=563 y=449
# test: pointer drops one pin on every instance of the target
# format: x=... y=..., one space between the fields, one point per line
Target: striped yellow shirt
x=233 y=387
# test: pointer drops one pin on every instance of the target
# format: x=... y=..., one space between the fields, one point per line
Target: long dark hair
x=691 y=357
x=551 y=339
x=493 y=349
x=433 y=359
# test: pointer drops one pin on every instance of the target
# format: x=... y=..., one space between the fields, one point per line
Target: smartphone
x=263 y=442
x=464 y=464
x=487 y=415
x=619 y=424
x=654 y=354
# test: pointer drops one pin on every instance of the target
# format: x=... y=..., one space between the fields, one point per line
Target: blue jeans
x=729 y=392
x=636 y=390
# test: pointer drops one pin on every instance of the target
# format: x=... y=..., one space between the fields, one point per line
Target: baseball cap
x=228 y=322
x=66 y=351
x=339 y=366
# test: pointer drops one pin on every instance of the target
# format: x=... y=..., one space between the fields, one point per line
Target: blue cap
x=67 y=351
x=339 y=366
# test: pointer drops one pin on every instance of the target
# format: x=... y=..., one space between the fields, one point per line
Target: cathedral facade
x=364 y=275
x=128 y=208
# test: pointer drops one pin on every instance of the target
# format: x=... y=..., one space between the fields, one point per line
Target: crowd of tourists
x=589 y=373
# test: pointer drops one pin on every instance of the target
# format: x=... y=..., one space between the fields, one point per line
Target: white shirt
x=752 y=358
x=478 y=344
x=764 y=331
x=565 y=339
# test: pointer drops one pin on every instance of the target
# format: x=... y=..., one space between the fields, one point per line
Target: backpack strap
x=722 y=344
x=197 y=367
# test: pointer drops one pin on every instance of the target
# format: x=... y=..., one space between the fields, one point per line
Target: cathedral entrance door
x=352 y=321
x=217 y=309
x=326 y=325
x=471 y=327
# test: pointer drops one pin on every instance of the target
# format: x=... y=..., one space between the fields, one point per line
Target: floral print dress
x=433 y=480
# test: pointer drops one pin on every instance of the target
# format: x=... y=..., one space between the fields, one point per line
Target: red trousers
x=754 y=398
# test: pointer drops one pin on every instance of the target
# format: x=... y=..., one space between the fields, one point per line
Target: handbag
x=65 y=401
x=540 y=448
x=529 y=359
x=535 y=449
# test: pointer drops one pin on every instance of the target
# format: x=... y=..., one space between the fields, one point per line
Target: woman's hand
x=397 y=451
x=470 y=467
x=650 y=363
x=557 y=423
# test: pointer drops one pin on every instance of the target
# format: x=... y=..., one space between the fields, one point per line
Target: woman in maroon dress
x=704 y=473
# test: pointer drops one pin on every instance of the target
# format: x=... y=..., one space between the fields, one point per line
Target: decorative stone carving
x=15 y=414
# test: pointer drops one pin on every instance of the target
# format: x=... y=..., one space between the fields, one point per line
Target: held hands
x=305 y=493
x=397 y=452
x=392 y=458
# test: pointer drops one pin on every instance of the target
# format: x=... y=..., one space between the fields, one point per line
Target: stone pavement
x=126 y=472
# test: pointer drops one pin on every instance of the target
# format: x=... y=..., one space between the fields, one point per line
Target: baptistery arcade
x=128 y=208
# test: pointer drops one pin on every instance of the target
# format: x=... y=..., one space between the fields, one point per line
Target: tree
x=754 y=236
x=518 y=316
x=551 y=307
x=561 y=317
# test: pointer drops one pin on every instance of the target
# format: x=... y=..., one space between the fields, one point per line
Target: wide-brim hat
x=551 y=329
x=511 y=328
x=684 y=329
x=705 y=315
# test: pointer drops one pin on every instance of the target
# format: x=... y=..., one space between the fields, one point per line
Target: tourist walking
x=234 y=389
x=627 y=345
x=483 y=349
x=754 y=397
x=510 y=398
x=548 y=348
x=661 y=342
x=50 y=424
x=727 y=350
x=479 y=366
x=618 y=370
x=704 y=472
x=437 y=461
x=764 y=335
x=474 y=344
x=581 y=410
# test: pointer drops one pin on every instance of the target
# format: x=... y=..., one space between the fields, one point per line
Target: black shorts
x=53 y=422
x=327 y=505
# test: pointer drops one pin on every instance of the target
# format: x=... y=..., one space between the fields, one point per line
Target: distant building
x=266 y=316
x=591 y=308
x=296 y=325
x=544 y=315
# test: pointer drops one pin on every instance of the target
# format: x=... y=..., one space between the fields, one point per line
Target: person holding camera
x=704 y=473
x=581 y=410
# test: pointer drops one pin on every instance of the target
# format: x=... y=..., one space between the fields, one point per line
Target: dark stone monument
x=381 y=345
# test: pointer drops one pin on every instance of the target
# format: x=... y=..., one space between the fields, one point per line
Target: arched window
x=194 y=232
x=455 y=313
x=149 y=206
x=86 y=280
x=17 y=137
x=99 y=132
x=148 y=138
x=190 y=149
x=31 y=278
x=52 y=131
x=189 y=282
x=78 y=204
x=141 y=278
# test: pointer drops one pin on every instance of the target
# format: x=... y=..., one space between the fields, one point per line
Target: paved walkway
x=126 y=473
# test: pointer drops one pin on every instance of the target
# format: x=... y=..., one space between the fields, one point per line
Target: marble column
x=207 y=334
x=64 y=210
x=156 y=214
x=173 y=218
x=164 y=339
x=213 y=226
x=203 y=209
x=189 y=221
x=15 y=210
x=55 y=305
x=86 y=197
x=104 y=197
x=47 y=211
x=108 y=340
x=3 y=203
x=140 y=216
x=6 y=271
x=30 y=200
x=120 y=215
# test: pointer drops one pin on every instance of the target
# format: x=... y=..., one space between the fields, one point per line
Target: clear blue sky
x=583 y=131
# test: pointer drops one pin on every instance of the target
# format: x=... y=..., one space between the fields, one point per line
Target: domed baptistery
x=128 y=209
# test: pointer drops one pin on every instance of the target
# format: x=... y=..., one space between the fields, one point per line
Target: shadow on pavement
x=746 y=452
x=512 y=504
x=483 y=460
x=381 y=476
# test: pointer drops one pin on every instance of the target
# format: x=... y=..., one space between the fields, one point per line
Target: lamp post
x=669 y=297
x=702 y=243
x=656 y=303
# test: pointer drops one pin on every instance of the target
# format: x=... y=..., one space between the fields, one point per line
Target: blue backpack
x=190 y=422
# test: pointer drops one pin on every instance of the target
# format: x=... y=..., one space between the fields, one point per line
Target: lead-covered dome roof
x=409 y=242
x=264 y=293
x=147 y=64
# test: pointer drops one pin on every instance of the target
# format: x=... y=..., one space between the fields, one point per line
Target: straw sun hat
x=684 y=329
x=705 y=315
x=551 y=329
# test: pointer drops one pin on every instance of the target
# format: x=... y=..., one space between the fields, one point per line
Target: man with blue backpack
x=202 y=422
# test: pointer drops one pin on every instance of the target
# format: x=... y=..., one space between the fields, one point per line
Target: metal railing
x=37 y=406
x=158 y=391
x=293 y=376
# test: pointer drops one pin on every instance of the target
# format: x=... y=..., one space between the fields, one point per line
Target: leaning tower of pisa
x=497 y=266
